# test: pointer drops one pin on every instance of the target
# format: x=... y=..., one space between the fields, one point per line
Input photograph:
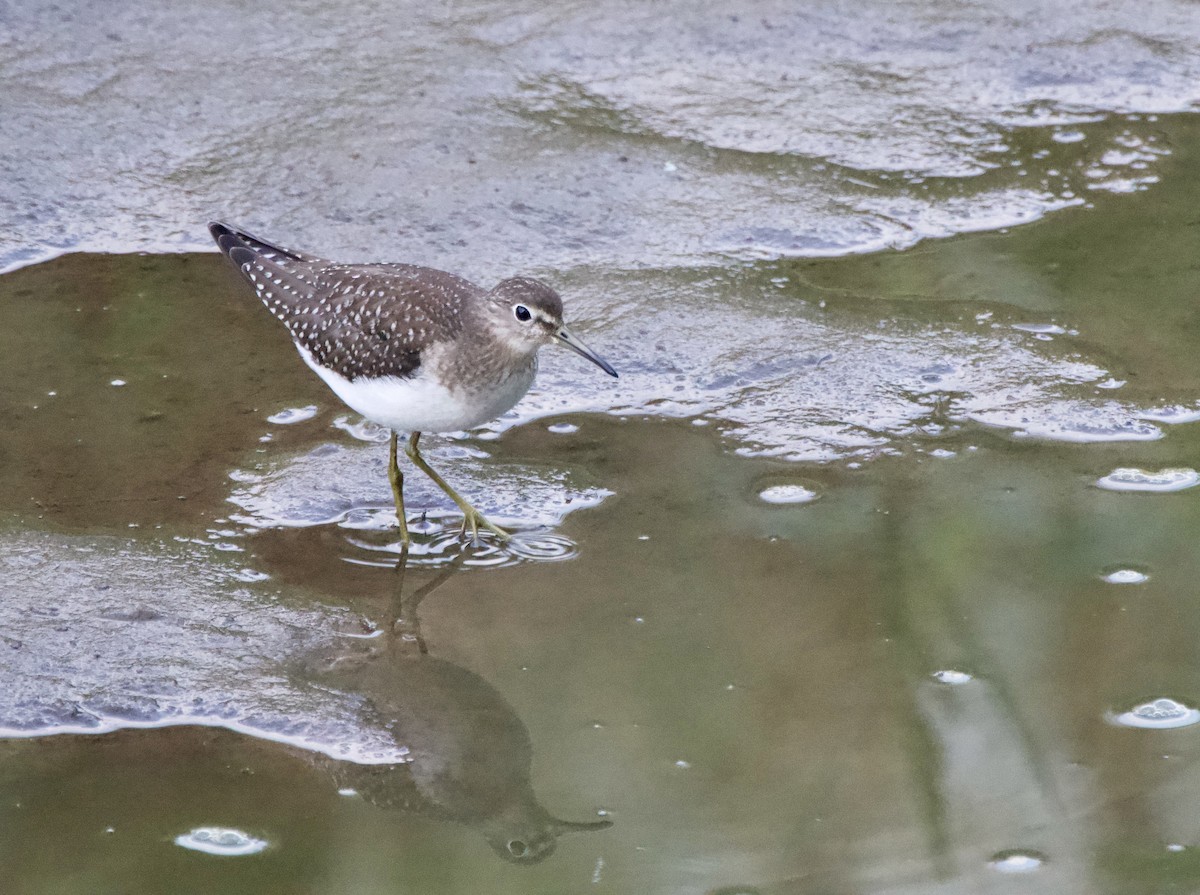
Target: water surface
x=824 y=594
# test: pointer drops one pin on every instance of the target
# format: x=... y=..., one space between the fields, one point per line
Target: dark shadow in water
x=469 y=753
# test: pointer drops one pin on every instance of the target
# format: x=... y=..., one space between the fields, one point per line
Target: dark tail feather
x=281 y=278
x=241 y=247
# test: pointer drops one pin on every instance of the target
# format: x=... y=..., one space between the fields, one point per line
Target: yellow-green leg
x=471 y=516
x=396 y=477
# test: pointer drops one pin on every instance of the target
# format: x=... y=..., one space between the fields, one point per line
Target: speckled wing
x=359 y=320
x=366 y=320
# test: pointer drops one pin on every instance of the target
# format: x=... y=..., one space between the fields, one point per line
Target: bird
x=411 y=348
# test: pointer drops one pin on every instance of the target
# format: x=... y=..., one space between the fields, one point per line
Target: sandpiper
x=411 y=348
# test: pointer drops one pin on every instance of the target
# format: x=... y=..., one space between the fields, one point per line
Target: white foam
x=1172 y=415
x=101 y=724
x=787 y=494
x=293 y=415
x=146 y=636
x=347 y=486
x=1162 y=481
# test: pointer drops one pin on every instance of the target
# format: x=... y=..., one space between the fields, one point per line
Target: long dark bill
x=565 y=336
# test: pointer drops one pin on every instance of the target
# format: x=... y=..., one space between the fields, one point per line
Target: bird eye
x=516 y=847
x=522 y=313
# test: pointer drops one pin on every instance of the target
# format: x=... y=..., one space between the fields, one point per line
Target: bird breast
x=489 y=381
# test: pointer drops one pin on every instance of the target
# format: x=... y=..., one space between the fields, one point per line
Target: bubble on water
x=221 y=841
x=347 y=791
x=785 y=494
x=952 y=676
x=1158 y=714
x=118 y=382
x=1017 y=860
x=1175 y=847
x=1125 y=576
x=1068 y=136
x=293 y=415
x=563 y=428
x=942 y=453
x=683 y=765
x=1131 y=479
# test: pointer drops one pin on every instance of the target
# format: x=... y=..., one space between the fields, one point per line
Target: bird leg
x=471 y=516
x=396 y=477
x=405 y=625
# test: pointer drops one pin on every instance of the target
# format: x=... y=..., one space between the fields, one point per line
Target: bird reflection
x=469 y=753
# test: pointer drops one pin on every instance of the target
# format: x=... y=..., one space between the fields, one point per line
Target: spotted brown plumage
x=410 y=348
x=355 y=319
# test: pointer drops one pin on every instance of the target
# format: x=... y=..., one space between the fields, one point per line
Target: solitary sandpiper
x=411 y=348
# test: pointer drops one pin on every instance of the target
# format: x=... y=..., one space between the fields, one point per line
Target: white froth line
x=112 y=725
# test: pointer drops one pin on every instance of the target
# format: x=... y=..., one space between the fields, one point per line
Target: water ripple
x=445 y=544
x=345 y=486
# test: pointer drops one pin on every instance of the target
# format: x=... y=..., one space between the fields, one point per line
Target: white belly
x=420 y=403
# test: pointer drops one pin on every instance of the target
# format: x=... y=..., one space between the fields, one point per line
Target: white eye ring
x=522 y=313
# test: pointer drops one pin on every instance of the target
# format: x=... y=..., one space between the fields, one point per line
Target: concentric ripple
x=447 y=544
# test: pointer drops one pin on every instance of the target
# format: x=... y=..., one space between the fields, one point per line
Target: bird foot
x=473 y=519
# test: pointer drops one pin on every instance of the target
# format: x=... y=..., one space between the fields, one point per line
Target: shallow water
x=872 y=573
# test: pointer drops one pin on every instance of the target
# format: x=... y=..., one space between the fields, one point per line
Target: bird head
x=528 y=834
x=529 y=314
